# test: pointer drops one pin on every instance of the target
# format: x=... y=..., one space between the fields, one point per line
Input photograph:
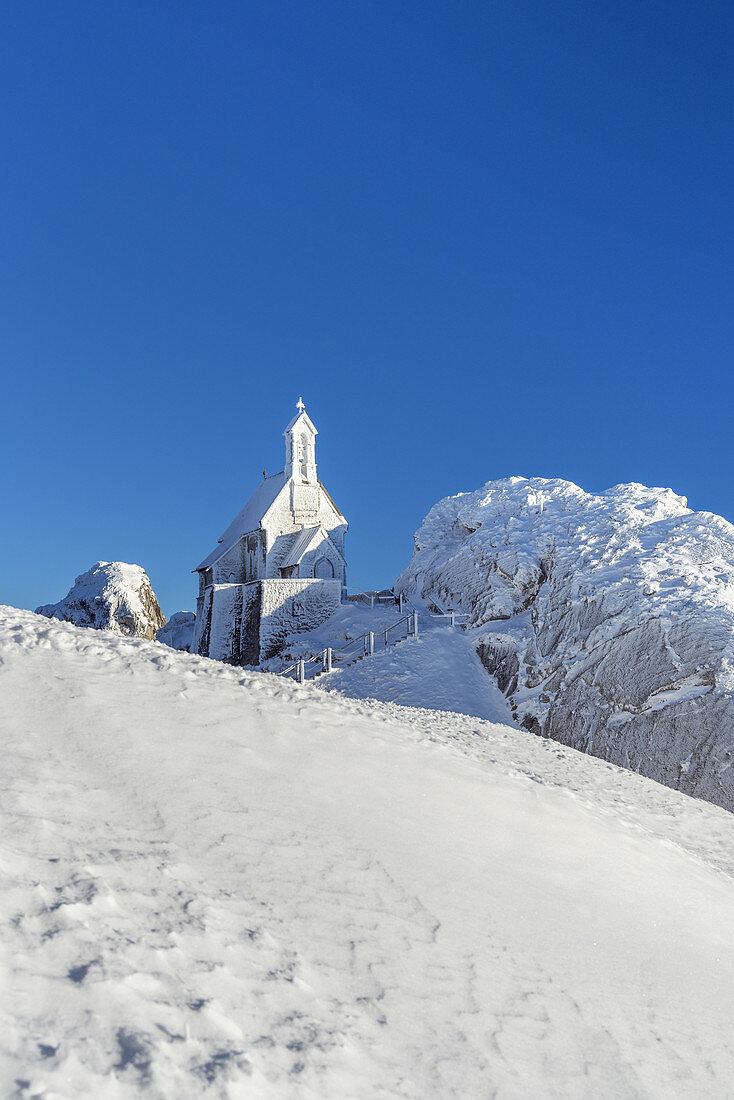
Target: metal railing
x=365 y=645
x=456 y=618
x=358 y=595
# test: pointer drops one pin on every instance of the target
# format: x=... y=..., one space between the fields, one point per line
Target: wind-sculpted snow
x=607 y=619
x=114 y=596
x=217 y=883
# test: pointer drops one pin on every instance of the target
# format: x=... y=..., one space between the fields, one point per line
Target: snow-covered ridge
x=111 y=595
x=220 y=884
x=608 y=619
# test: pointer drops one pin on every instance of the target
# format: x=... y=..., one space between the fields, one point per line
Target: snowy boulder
x=111 y=596
x=178 y=632
x=607 y=619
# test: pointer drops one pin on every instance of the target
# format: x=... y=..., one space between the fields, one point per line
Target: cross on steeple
x=300 y=406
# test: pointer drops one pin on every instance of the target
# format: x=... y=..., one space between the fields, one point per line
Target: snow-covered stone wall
x=607 y=619
x=244 y=624
x=292 y=607
x=243 y=562
x=228 y=624
x=114 y=596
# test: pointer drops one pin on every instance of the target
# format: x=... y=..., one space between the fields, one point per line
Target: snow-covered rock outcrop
x=112 y=595
x=178 y=632
x=607 y=619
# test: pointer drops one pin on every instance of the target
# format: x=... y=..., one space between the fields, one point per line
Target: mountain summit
x=608 y=619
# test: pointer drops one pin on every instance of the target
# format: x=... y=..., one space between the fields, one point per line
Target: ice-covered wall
x=243 y=562
x=244 y=624
x=607 y=619
x=292 y=607
x=228 y=627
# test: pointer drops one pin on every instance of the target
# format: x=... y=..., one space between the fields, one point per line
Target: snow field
x=217 y=883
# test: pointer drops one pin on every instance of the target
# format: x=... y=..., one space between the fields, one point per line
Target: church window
x=303 y=456
x=323 y=569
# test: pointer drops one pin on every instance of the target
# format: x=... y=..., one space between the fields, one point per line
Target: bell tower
x=300 y=448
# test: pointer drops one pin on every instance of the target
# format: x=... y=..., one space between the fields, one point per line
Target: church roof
x=249 y=518
x=304 y=540
x=331 y=500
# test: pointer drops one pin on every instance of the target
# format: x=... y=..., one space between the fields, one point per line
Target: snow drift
x=607 y=619
x=219 y=884
x=114 y=596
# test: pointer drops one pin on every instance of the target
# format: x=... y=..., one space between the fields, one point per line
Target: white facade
x=290 y=529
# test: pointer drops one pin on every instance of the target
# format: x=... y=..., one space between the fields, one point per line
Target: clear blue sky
x=479 y=238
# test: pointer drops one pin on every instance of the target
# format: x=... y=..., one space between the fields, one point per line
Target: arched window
x=323 y=569
x=303 y=456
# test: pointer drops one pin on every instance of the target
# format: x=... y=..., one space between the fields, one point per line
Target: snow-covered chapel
x=279 y=567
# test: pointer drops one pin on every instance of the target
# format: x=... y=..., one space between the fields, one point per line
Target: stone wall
x=293 y=606
x=228 y=624
x=244 y=624
x=243 y=562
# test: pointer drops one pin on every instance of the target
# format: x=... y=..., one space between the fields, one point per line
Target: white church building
x=279 y=567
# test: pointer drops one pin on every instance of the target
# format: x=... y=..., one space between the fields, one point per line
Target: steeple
x=300 y=447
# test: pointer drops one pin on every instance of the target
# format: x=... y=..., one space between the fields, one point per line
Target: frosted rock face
x=111 y=596
x=178 y=632
x=607 y=619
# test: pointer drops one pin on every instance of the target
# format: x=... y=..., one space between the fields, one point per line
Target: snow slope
x=111 y=595
x=438 y=670
x=217 y=883
x=607 y=619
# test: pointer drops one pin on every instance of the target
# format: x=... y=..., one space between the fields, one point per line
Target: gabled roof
x=302 y=414
x=304 y=540
x=249 y=518
x=331 y=501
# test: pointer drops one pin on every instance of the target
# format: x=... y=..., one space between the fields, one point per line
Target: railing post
x=371 y=649
x=415 y=623
x=328 y=658
x=453 y=620
x=301 y=671
x=400 y=602
x=372 y=603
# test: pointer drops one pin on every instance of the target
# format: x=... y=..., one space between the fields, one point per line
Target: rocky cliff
x=112 y=595
x=607 y=619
